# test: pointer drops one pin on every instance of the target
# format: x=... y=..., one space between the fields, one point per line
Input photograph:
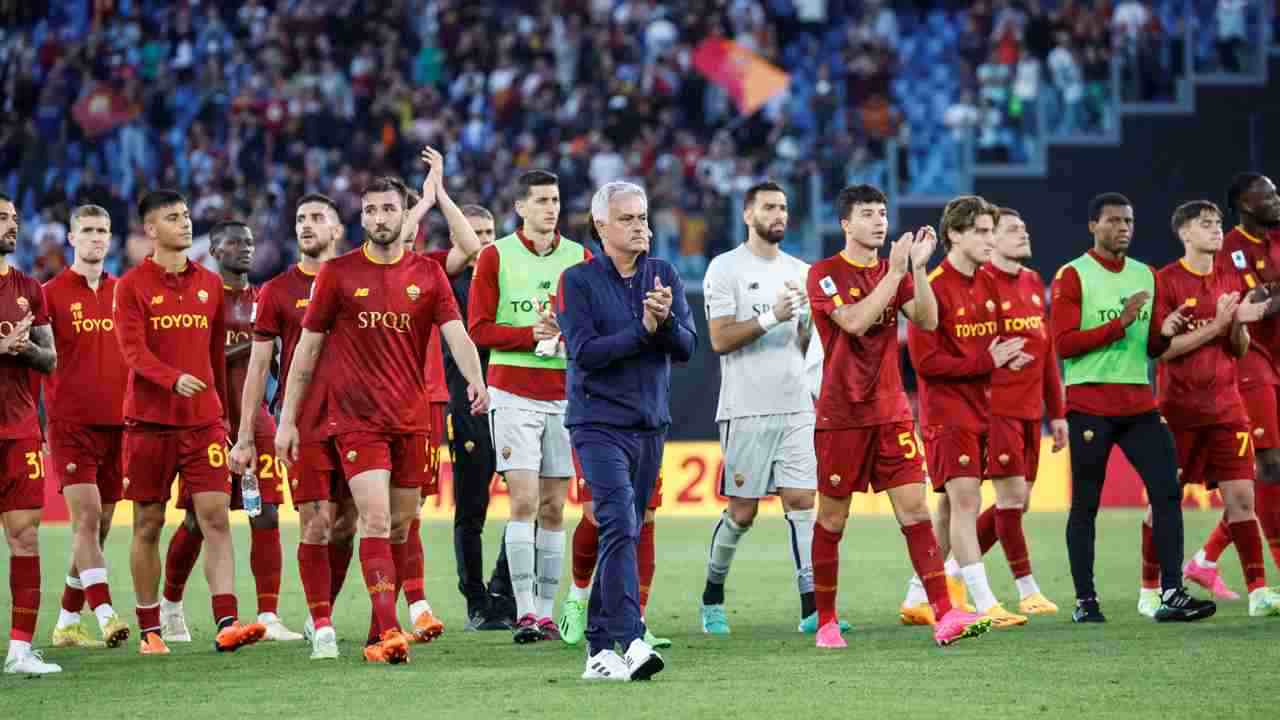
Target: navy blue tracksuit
x=619 y=387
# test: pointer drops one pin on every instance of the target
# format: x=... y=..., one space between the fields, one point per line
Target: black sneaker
x=1178 y=606
x=1088 y=611
x=527 y=631
x=502 y=608
x=480 y=621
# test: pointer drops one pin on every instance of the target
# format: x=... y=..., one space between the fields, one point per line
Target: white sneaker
x=606 y=665
x=173 y=623
x=309 y=629
x=324 y=645
x=30 y=663
x=276 y=630
x=1148 y=602
x=1263 y=602
x=642 y=662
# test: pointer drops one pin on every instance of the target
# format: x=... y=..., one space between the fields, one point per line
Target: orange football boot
x=235 y=636
x=152 y=644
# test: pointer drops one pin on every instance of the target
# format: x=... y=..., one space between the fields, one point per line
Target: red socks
x=646 y=563
x=826 y=572
x=313 y=568
x=1009 y=529
x=72 y=599
x=148 y=619
x=380 y=580
x=98 y=594
x=1150 y=561
x=179 y=561
x=586 y=542
x=24 y=585
x=1267 y=502
x=225 y=610
x=926 y=559
x=987 y=532
x=1248 y=541
x=1218 y=540
x=414 y=568
x=265 y=560
x=339 y=561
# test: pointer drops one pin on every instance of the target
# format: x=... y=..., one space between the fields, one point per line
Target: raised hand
x=1176 y=321
x=1132 y=306
x=922 y=247
x=1227 y=306
x=900 y=254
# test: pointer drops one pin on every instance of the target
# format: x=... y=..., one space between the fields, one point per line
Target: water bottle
x=249 y=495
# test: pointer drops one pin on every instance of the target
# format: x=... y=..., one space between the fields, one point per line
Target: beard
x=773 y=237
x=391 y=236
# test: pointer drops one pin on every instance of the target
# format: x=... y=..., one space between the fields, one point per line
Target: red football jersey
x=282 y=303
x=241 y=307
x=438 y=389
x=953 y=363
x=1036 y=389
x=1200 y=387
x=861 y=376
x=168 y=325
x=379 y=319
x=19 y=294
x=1257 y=262
x=88 y=385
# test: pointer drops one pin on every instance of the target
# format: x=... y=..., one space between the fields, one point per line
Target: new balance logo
x=158 y=299
x=362 y=292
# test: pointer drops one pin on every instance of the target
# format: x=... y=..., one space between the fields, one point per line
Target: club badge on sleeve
x=1238 y=259
x=828 y=285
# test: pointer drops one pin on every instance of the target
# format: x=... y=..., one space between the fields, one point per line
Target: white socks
x=581 y=594
x=1202 y=561
x=550 y=558
x=801 y=522
x=67 y=619
x=1026 y=586
x=724 y=543
x=18 y=649
x=915 y=593
x=951 y=567
x=975 y=578
x=417 y=608
x=520 y=559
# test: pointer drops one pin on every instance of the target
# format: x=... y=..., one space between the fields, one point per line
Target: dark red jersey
x=1257 y=262
x=20 y=294
x=1036 y=389
x=861 y=376
x=282 y=303
x=1199 y=388
x=168 y=325
x=88 y=385
x=241 y=307
x=379 y=318
x=953 y=362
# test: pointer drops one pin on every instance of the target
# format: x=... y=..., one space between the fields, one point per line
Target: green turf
x=1128 y=668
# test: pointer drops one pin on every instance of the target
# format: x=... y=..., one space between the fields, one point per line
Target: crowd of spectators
x=247 y=104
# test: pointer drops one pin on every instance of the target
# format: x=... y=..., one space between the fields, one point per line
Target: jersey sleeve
x=822 y=291
x=906 y=290
x=326 y=300
x=39 y=307
x=1065 y=319
x=267 y=323
x=130 y=319
x=482 y=309
x=718 y=293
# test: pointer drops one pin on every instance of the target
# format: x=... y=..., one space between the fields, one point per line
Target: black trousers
x=1148 y=444
x=473 y=469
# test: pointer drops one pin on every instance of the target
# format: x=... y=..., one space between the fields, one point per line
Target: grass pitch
x=1128 y=668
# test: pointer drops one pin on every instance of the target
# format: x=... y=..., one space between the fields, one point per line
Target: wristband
x=768 y=321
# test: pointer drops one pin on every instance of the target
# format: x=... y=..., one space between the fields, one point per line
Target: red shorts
x=21 y=475
x=317 y=475
x=954 y=453
x=1263 y=406
x=406 y=455
x=88 y=455
x=876 y=458
x=1013 y=448
x=440 y=423
x=153 y=457
x=1208 y=455
x=272 y=477
x=584 y=490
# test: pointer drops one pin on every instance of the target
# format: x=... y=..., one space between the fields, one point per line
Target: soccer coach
x=624 y=318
